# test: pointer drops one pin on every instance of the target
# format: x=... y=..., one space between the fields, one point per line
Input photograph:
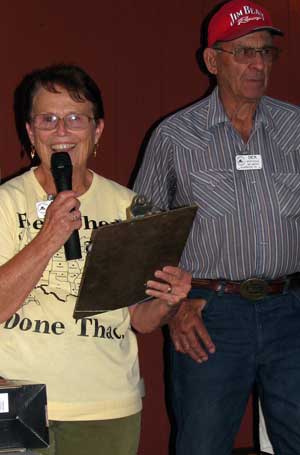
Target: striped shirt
x=248 y=221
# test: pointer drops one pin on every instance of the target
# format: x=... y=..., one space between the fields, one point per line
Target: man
x=236 y=155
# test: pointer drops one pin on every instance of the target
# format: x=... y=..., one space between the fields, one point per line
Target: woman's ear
x=30 y=133
x=209 y=56
x=99 y=130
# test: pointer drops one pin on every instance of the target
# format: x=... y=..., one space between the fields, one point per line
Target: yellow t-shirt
x=90 y=366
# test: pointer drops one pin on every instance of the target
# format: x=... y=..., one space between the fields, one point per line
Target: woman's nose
x=61 y=127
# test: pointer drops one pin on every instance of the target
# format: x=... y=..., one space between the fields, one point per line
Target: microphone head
x=61 y=168
x=60 y=160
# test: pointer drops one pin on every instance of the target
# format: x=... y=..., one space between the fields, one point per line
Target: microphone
x=61 y=167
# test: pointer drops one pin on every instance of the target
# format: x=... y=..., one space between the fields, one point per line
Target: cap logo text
x=242 y=16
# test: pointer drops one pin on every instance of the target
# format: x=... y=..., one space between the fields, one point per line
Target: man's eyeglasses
x=71 y=121
x=248 y=54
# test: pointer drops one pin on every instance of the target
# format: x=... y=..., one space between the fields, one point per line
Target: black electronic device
x=61 y=167
x=23 y=416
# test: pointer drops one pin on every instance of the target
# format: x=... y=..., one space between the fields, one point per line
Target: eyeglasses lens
x=71 y=121
x=248 y=54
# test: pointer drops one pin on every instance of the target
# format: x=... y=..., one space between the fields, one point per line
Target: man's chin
x=255 y=90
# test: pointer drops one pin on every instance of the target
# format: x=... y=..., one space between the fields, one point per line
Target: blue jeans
x=255 y=342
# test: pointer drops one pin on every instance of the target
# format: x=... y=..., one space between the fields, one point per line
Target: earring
x=96 y=147
x=32 y=153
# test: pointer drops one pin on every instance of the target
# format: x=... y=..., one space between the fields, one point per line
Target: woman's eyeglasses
x=71 y=121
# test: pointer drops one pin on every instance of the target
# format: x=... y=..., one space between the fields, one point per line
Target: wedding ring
x=169 y=290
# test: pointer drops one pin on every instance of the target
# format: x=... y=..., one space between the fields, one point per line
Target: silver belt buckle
x=254 y=289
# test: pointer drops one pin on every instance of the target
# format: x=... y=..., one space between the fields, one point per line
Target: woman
x=90 y=366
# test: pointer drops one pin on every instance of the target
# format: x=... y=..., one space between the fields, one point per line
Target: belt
x=251 y=289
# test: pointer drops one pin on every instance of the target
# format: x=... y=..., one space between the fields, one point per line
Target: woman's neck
x=81 y=180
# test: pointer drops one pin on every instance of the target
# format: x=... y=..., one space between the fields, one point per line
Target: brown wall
x=142 y=54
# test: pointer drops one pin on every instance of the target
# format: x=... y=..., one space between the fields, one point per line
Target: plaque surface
x=125 y=255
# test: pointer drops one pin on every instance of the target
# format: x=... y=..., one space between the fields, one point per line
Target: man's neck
x=241 y=114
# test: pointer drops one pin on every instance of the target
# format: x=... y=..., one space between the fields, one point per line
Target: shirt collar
x=217 y=114
x=263 y=115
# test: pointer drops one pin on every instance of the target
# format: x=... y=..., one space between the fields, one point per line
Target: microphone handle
x=72 y=247
x=63 y=181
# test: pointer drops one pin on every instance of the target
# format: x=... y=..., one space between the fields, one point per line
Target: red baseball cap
x=238 y=18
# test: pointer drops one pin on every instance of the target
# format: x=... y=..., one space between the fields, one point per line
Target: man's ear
x=209 y=56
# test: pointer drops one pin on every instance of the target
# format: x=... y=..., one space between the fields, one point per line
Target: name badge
x=41 y=208
x=248 y=162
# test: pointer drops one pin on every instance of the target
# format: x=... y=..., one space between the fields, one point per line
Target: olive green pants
x=99 y=437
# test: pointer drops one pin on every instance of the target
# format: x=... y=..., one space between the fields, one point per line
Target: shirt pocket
x=287 y=186
x=214 y=193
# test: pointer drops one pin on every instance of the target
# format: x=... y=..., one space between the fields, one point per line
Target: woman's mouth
x=66 y=147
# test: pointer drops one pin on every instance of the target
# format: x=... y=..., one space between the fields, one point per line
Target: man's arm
x=156 y=178
x=157 y=181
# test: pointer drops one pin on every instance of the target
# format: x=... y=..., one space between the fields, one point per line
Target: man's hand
x=189 y=333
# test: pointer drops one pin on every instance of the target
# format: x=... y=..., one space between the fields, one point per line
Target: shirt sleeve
x=8 y=234
x=156 y=179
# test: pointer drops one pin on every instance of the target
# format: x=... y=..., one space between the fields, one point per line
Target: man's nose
x=258 y=59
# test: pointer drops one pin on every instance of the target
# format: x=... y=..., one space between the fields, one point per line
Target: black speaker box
x=23 y=415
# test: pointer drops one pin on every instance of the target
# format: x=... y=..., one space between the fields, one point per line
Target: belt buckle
x=254 y=289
